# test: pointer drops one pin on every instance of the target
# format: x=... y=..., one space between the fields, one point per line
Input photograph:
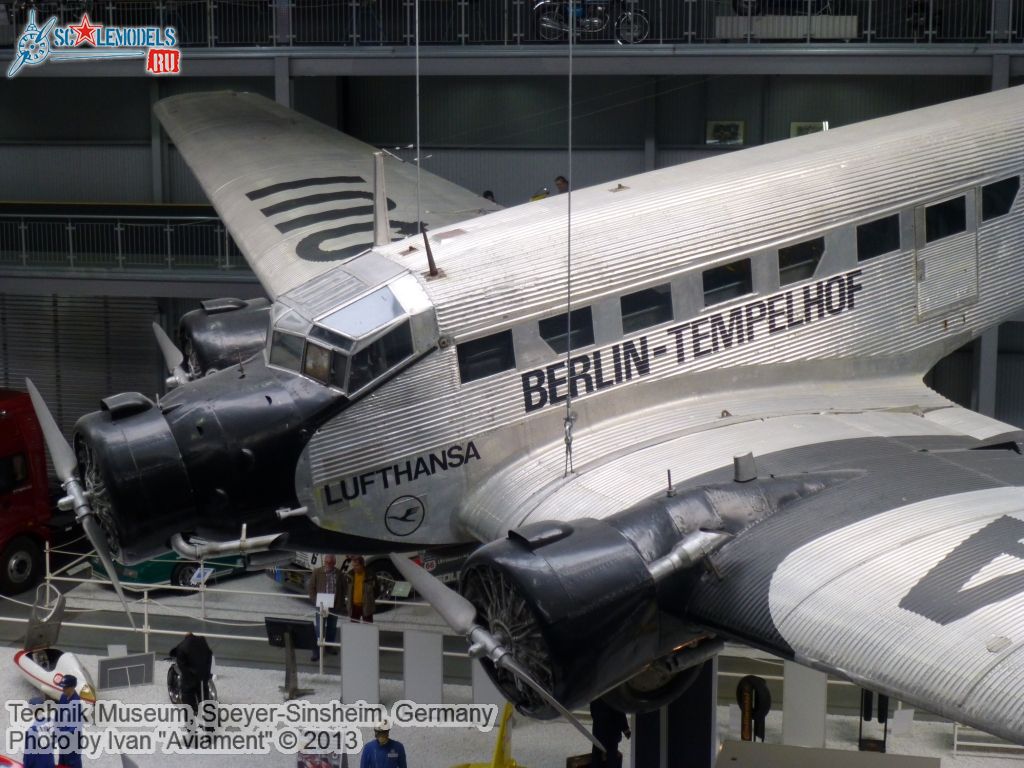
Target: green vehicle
x=170 y=569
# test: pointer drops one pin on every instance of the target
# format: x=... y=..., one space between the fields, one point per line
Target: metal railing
x=143 y=603
x=360 y=23
x=117 y=243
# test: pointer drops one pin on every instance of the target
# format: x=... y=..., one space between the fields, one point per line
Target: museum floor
x=538 y=745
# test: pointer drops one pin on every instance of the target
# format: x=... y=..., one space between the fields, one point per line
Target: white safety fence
x=197 y=608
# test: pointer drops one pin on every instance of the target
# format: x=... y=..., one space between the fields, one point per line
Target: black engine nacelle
x=215 y=453
x=578 y=604
x=575 y=602
x=222 y=333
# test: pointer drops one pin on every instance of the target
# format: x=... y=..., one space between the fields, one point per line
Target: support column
x=651 y=125
x=685 y=733
x=157 y=154
x=1001 y=15
x=986 y=361
x=283 y=22
x=1000 y=71
x=803 y=706
x=282 y=81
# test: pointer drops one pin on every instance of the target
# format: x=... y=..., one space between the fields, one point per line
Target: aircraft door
x=946 y=255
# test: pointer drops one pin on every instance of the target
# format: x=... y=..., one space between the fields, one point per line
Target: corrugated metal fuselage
x=408 y=463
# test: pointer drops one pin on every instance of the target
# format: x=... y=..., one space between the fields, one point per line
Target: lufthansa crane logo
x=404 y=516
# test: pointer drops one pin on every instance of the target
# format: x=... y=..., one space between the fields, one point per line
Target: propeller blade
x=456 y=610
x=509 y=662
x=173 y=357
x=64 y=463
x=98 y=539
x=460 y=615
x=63 y=457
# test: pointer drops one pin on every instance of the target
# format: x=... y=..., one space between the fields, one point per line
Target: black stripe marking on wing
x=323 y=197
x=332 y=215
x=257 y=194
x=308 y=248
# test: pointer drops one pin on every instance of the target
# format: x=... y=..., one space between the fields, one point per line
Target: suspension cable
x=419 y=150
x=570 y=417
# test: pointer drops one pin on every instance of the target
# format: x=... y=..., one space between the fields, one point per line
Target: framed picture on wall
x=724 y=132
x=803 y=128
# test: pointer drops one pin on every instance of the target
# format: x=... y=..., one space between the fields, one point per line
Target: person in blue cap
x=69 y=722
x=39 y=737
x=383 y=752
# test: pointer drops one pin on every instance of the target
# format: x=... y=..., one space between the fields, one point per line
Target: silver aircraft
x=727 y=436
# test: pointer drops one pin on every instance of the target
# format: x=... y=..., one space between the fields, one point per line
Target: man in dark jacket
x=326 y=580
x=195 y=665
x=609 y=726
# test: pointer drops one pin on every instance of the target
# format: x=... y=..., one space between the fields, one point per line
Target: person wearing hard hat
x=69 y=719
x=383 y=751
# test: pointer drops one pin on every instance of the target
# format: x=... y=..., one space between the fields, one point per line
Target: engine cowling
x=222 y=333
x=588 y=605
x=576 y=603
x=215 y=453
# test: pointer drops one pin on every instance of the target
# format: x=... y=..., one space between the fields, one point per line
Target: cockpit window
x=385 y=353
x=317 y=364
x=332 y=338
x=286 y=351
x=368 y=314
x=339 y=370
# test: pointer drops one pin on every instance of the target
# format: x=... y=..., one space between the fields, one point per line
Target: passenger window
x=997 y=199
x=727 y=282
x=945 y=219
x=286 y=351
x=13 y=472
x=798 y=262
x=382 y=355
x=485 y=357
x=645 y=308
x=552 y=329
x=877 y=237
x=317 y=364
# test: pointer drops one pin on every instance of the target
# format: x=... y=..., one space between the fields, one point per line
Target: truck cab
x=26 y=505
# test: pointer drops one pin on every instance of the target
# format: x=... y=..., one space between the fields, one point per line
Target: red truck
x=26 y=504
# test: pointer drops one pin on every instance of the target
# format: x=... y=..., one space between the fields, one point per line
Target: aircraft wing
x=296 y=195
x=883 y=539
